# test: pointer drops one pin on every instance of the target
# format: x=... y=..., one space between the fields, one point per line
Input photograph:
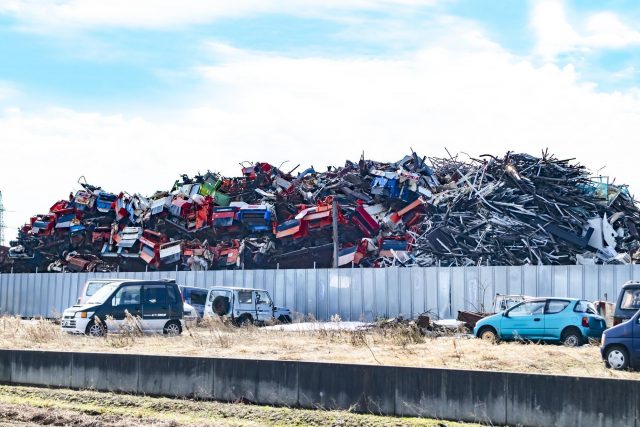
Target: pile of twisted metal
x=516 y=209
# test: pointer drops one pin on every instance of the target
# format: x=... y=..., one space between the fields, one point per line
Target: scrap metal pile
x=511 y=210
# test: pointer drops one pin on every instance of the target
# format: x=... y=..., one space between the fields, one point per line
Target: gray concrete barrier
x=497 y=398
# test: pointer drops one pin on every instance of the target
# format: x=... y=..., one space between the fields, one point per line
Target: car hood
x=487 y=320
x=83 y=307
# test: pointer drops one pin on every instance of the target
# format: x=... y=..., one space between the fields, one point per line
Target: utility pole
x=1 y=221
x=334 y=214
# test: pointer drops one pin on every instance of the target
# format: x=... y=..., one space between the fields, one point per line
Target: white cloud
x=556 y=34
x=45 y=15
x=7 y=90
x=473 y=97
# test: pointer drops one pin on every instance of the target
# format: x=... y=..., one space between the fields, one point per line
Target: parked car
x=244 y=305
x=568 y=320
x=189 y=314
x=158 y=304
x=196 y=297
x=620 y=345
x=90 y=287
x=628 y=302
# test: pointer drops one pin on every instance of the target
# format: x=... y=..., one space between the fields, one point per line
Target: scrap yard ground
x=399 y=346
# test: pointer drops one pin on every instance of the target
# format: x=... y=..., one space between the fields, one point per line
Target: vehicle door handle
x=537 y=319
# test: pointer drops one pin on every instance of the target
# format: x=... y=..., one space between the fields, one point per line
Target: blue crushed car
x=567 y=320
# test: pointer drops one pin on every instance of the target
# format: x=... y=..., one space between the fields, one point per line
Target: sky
x=132 y=94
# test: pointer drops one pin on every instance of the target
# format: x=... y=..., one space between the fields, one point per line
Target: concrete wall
x=353 y=293
x=496 y=398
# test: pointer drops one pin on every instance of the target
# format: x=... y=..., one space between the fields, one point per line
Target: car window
x=556 y=306
x=93 y=287
x=245 y=297
x=173 y=295
x=585 y=307
x=262 y=297
x=127 y=295
x=528 y=308
x=102 y=294
x=155 y=294
x=630 y=299
x=214 y=293
x=198 y=297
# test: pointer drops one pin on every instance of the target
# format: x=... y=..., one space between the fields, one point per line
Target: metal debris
x=512 y=210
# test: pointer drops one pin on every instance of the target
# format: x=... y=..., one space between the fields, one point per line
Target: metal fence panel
x=380 y=293
x=418 y=292
x=368 y=293
x=352 y=293
x=431 y=282
x=444 y=292
x=576 y=281
x=356 y=298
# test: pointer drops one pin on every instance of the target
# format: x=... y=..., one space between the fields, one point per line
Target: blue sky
x=196 y=85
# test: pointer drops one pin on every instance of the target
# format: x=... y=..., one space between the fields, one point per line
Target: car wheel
x=572 y=338
x=488 y=334
x=616 y=357
x=95 y=329
x=172 y=328
x=245 y=320
x=284 y=319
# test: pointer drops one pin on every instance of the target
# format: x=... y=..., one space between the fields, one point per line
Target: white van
x=90 y=287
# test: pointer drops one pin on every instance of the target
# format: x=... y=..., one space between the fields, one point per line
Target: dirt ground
x=28 y=406
x=396 y=346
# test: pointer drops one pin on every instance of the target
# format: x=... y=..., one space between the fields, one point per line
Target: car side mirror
x=505 y=314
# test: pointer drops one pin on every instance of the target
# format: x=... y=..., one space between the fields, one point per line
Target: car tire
x=221 y=305
x=487 y=333
x=572 y=337
x=172 y=328
x=95 y=329
x=244 y=320
x=284 y=319
x=616 y=357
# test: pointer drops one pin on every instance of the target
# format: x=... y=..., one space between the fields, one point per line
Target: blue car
x=620 y=346
x=567 y=320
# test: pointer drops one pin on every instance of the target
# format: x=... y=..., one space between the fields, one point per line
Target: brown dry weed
x=218 y=338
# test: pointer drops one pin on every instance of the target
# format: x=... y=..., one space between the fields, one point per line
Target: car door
x=198 y=300
x=264 y=306
x=155 y=306
x=245 y=304
x=525 y=320
x=635 y=341
x=556 y=317
x=127 y=299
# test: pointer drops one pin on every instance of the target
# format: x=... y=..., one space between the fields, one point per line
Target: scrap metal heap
x=514 y=210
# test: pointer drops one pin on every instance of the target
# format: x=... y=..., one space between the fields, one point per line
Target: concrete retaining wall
x=498 y=398
x=353 y=293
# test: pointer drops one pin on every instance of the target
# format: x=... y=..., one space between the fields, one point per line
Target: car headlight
x=83 y=314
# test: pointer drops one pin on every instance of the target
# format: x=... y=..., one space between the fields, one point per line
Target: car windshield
x=631 y=299
x=585 y=307
x=93 y=287
x=102 y=294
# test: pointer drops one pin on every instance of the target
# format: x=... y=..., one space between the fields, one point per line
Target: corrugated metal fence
x=354 y=294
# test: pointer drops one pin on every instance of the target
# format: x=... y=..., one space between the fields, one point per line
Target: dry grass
x=60 y=407
x=396 y=346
